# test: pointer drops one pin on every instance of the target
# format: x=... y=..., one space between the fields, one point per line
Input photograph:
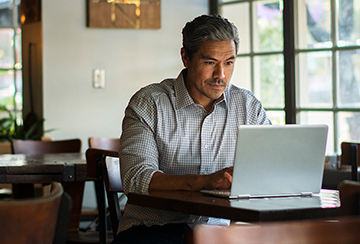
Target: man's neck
x=205 y=102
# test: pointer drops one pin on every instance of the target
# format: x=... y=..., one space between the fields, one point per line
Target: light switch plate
x=99 y=78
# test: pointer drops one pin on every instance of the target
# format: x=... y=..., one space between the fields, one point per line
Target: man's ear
x=184 y=57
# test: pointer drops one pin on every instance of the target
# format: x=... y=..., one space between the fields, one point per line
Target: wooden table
x=68 y=168
x=346 y=230
x=253 y=210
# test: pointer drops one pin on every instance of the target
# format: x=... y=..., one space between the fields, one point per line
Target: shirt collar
x=183 y=97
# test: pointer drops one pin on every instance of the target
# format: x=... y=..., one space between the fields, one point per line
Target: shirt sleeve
x=262 y=118
x=138 y=151
x=250 y=107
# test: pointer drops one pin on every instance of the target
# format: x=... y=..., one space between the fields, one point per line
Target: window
x=328 y=65
x=10 y=57
x=260 y=66
x=326 y=61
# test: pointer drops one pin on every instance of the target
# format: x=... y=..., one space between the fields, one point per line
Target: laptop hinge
x=245 y=196
x=306 y=194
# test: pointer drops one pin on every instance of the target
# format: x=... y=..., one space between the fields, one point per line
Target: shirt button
x=206 y=146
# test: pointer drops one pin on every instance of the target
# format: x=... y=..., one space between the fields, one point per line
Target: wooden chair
x=349 y=198
x=36 y=220
x=29 y=147
x=100 y=236
x=111 y=144
x=350 y=155
x=95 y=170
x=295 y=232
x=105 y=143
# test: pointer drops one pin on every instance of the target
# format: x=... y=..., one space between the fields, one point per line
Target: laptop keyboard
x=221 y=193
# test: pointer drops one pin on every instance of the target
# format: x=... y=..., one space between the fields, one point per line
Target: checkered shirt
x=165 y=131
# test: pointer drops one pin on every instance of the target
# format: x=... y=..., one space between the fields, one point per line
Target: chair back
x=350 y=155
x=111 y=172
x=295 y=232
x=346 y=151
x=105 y=172
x=349 y=197
x=113 y=186
x=29 y=147
x=31 y=221
x=111 y=144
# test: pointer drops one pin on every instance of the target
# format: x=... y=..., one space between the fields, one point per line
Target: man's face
x=209 y=71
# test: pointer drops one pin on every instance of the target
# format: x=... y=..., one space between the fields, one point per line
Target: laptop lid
x=279 y=160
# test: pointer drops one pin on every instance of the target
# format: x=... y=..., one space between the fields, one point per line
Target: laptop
x=277 y=161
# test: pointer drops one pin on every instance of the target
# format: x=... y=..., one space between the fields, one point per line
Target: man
x=180 y=134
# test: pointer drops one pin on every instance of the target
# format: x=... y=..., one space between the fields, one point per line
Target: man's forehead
x=211 y=49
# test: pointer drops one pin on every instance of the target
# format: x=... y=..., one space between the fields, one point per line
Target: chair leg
x=114 y=210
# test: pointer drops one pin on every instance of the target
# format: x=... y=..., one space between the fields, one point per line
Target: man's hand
x=221 y=179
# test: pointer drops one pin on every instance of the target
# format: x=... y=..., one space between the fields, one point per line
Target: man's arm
x=139 y=155
x=219 y=180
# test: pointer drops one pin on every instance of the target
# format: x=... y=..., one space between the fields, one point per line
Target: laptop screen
x=279 y=160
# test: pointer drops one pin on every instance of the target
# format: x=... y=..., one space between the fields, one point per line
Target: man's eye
x=209 y=62
x=229 y=63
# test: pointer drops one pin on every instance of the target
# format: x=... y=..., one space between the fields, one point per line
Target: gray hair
x=208 y=28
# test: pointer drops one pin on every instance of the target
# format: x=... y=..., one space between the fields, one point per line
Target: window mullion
x=15 y=25
x=289 y=61
x=334 y=31
x=252 y=62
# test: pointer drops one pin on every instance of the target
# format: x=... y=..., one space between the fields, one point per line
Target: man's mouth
x=217 y=86
x=217 y=83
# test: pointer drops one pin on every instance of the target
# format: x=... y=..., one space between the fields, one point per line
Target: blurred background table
x=23 y=171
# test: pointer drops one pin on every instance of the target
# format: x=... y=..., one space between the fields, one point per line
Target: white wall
x=131 y=59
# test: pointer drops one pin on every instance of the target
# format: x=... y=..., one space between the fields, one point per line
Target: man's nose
x=219 y=72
